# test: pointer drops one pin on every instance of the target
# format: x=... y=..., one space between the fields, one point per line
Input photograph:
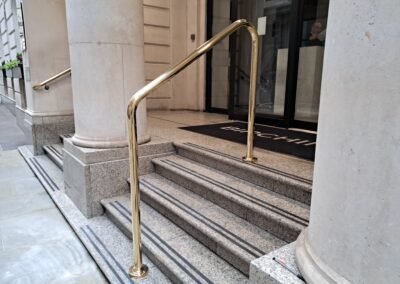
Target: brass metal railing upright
x=45 y=83
x=140 y=270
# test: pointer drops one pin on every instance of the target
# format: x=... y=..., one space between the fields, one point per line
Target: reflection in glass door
x=311 y=54
x=273 y=54
x=219 y=59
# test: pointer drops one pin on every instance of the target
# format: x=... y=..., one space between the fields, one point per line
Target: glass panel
x=220 y=56
x=311 y=54
x=273 y=60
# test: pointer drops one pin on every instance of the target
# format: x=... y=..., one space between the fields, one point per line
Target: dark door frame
x=209 y=34
x=288 y=118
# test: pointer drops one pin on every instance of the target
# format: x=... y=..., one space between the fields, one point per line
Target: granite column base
x=43 y=130
x=93 y=174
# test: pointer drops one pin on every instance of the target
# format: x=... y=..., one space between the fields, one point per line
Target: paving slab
x=37 y=245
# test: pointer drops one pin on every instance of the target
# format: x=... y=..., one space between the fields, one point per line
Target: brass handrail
x=45 y=83
x=140 y=270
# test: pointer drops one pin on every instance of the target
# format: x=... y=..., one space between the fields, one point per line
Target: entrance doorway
x=291 y=60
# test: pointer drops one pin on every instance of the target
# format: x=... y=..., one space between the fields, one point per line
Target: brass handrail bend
x=45 y=84
x=140 y=270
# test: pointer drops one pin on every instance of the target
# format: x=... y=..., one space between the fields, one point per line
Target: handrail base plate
x=249 y=160
x=136 y=273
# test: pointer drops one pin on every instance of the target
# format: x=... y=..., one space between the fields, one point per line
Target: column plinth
x=107 y=62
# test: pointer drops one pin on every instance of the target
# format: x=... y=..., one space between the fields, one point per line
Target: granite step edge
x=41 y=173
x=277 y=221
x=54 y=155
x=162 y=249
x=270 y=178
x=66 y=136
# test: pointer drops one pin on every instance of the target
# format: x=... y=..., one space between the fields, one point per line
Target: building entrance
x=292 y=39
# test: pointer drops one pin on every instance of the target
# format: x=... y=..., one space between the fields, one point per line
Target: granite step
x=281 y=216
x=229 y=236
x=292 y=186
x=55 y=153
x=179 y=256
x=66 y=136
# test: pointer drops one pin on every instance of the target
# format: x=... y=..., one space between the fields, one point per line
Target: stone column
x=354 y=230
x=49 y=113
x=106 y=48
x=107 y=59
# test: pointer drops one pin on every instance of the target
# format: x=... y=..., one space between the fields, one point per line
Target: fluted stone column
x=354 y=229
x=106 y=51
x=107 y=61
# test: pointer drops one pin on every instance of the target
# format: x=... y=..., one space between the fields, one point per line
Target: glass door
x=274 y=44
x=292 y=43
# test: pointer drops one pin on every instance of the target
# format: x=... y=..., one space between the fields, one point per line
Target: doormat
x=296 y=143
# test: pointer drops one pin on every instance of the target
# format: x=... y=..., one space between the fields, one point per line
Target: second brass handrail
x=45 y=83
x=140 y=270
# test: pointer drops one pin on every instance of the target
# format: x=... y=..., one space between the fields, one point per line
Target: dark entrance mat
x=281 y=140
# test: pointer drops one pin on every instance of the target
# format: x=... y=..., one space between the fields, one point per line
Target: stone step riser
x=297 y=190
x=278 y=227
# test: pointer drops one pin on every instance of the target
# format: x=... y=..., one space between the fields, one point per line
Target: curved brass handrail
x=140 y=270
x=45 y=84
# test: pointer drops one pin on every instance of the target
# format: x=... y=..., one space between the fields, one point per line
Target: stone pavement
x=11 y=136
x=36 y=243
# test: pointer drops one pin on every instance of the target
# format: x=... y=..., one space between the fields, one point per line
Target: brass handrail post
x=252 y=97
x=140 y=270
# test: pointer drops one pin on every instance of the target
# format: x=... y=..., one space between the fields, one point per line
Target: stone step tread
x=228 y=235
x=287 y=184
x=182 y=258
x=55 y=152
x=238 y=190
x=112 y=251
x=237 y=162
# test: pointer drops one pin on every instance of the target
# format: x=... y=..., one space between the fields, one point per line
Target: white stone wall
x=157 y=49
x=168 y=25
x=47 y=54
